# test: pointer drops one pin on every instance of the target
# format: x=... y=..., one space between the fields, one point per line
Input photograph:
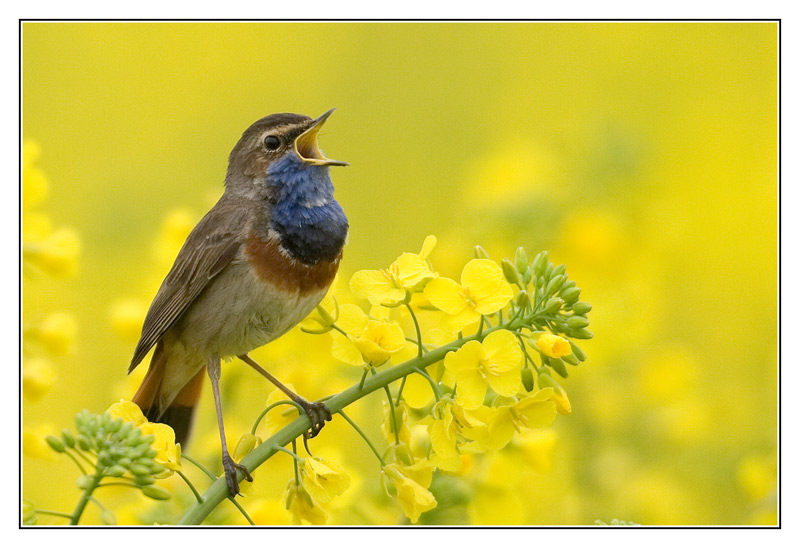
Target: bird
x=256 y=264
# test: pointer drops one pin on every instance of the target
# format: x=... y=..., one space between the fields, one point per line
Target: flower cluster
x=498 y=335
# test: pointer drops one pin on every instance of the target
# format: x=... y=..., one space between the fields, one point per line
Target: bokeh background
x=641 y=155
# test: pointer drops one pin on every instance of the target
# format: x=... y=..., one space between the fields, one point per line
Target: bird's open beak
x=307 y=148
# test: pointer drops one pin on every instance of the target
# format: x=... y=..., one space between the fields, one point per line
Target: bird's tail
x=179 y=413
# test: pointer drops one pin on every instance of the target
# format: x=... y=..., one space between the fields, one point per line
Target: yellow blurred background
x=641 y=155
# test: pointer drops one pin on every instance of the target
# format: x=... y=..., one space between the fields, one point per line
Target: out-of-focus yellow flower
x=553 y=346
x=38 y=375
x=501 y=422
x=176 y=227
x=413 y=497
x=268 y=512
x=757 y=476
x=323 y=479
x=302 y=506
x=56 y=254
x=368 y=341
x=34 y=444
x=34 y=182
x=281 y=415
x=407 y=274
x=56 y=333
x=127 y=317
x=483 y=290
x=168 y=453
x=495 y=362
x=537 y=449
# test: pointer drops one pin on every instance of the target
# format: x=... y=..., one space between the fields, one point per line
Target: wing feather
x=210 y=247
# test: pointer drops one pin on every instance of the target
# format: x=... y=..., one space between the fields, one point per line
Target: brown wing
x=212 y=244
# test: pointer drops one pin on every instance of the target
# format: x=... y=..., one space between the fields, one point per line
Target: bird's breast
x=274 y=265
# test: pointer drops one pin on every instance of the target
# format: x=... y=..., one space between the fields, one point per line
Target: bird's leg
x=317 y=411
x=227 y=462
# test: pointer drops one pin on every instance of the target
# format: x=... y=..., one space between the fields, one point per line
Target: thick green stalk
x=219 y=489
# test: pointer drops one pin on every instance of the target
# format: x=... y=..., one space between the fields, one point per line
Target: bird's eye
x=272 y=142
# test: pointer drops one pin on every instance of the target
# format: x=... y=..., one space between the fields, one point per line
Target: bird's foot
x=317 y=413
x=231 y=467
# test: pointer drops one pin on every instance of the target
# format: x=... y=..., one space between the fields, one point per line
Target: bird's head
x=279 y=145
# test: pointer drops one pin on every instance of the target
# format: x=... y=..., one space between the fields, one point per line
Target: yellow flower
x=496 y=362
x=127 y=317
x=500 y=423
x=302 y=506
x=448 y=421
x=413 y=497
x=168 y=453
x=56 y=333
x=38 y=375
x=34 y=182
x=553 y=346
x=483 y=290
x=560 y=397
x=323 y=479
x=56 y=254
x=409 y=273
x=368 y=341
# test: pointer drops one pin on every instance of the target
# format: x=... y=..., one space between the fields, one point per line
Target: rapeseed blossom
x=168 y=453
x=323 y=479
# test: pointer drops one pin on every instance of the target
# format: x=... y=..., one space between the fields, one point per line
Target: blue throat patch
x=310 y=222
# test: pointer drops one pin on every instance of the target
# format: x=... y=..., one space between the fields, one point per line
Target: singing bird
x=259 y=261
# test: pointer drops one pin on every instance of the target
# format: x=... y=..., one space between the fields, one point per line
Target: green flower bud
x=581 y=307
x=558 y=366
x=527 y=378
x=29 y=516
x=509 y=271
x=540 y=263
x=85 y=482
x=156 y=469
x=150 y=453
x=55 y=443
x=581 y=334
x=116 y=471
x=108 y=517
x=544 y=380
x=155 y=492
x=548 y=272
x=570 y=295
x=83 y=442
x=568 y=284
x=67 y=438
x=144 y=480
x=522 y=300
x=554 y=284
x=140 y=470
x=527 y=275
x=553 y=305
x=576 y=322
x=577 y=352
x=521 y=260
x=571 y=359
x=560 y=270
x=480 y=253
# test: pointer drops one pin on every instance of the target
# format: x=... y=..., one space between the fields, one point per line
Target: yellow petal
x=427 y=246
x=446 y=295
x=465 y=358
x=411 y=271
x=503 y=351
x=486 y=284
x=553 y=346
x=352 y=319
x=507 y=383
x=535 y=414
x=345 y=350
x=128 y=412
x=470 y=389
x=376 y=286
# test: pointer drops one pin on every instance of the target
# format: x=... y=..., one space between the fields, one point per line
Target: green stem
x=269 y=408
x=84 y=500
x=75 y=460
x=294 y=463
x=54 y=513
x=215 y=479
x=219 y=489
x=436 y=393
x=191 y=486
x=400 y=391
x=363 y=435
x=419 y=331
